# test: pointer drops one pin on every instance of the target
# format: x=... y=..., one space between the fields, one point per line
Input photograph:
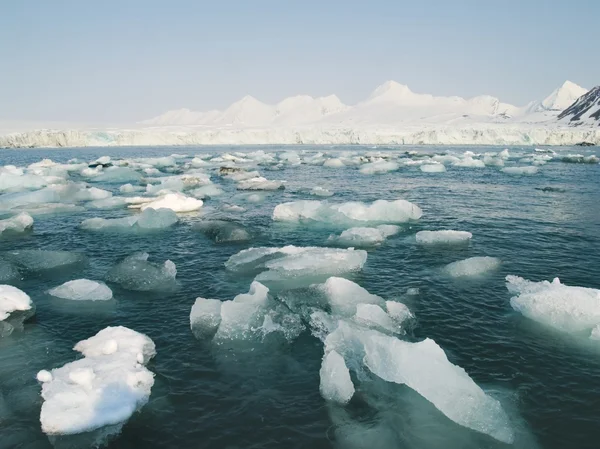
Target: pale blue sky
x=126 y=60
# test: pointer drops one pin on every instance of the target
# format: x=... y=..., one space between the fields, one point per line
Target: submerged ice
x=136 y=273
x=82 y=290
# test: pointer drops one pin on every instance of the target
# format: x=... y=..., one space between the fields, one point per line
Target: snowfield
x=392 y=115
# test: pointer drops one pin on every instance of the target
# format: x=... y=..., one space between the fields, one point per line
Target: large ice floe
x=361 y=333
x=446 y=237
x=15 y=307
x=102 y=389
x=136 y=273
x=292 y=266
x=380 y=211
x=362 y=237
x=259 y=183
x=473 y=266
x=563 y=307
x=19 y=223
x=82 y=290
x=149 y=219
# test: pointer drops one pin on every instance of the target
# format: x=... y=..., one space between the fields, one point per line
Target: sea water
x=539 y=225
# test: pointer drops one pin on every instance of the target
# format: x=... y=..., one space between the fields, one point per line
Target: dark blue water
x=207 y=397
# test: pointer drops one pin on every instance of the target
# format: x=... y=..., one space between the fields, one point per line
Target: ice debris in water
x=103 y=389
x=433 y=168
x=379 y=167
x=380 y=211
x=469 y=162
x=563 y=307
x=222 y=231
x=12 y=299
x=209 y=191
x=178 y=202
x=15 y=307
x=336 y=384
x=41 y=260
x=259 y=183
x=364 y=237
x=19 y=223
x=82 y=290
x=116 y=175
x=297 y=266
x=424 y=368
x=136 y=273
x=320 y=191
x=344 y=296
x=530 y=170
x=446 y=237
x=249 y=316
x=473 y=266
x=149 y=219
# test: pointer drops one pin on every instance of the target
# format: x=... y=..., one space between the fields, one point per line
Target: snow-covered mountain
x=391 y=104
x=584 y=111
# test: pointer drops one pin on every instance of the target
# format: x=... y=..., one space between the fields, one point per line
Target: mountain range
x=390 y=104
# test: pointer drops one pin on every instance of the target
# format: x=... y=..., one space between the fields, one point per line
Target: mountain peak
x=563 y=97
x=391 y=89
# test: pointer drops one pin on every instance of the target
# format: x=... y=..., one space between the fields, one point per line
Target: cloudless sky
x=128 y=60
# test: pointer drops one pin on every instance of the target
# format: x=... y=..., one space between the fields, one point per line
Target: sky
x=120 y=61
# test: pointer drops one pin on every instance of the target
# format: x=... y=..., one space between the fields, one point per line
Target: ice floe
x=82 y=290
x=136 y=273
x=15 y=307
x=445 y=237
x=149 y=219
x=363 y=236
x=473 y=266
x=380 y=211
x=529 y=170
x=177 y=202
x=433 y=168
x=259 y=183
x=563 y=307
x=103 y=389
x=40 y=260
x=222 y=231
x=18 y=223
x=296 y=266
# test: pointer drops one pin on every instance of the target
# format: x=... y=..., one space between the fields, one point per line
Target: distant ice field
x=289 y=301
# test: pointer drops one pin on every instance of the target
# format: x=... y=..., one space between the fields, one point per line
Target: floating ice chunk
x=208 y=191
x=114 y=202
x=492 y=161
x=178 y=202
x=91 y=194
x=580 y=159
x=504 y=154
x=364 y=237
x=433 y=168
x=530 y=170
x=336 y=384
x=108 y=224
x=469 y=162
x=297 y=265
x=117 y=175
x=259 y=183
x=222 y=231
x=237 y=174
x=205 y=317
x=82 y=290
x=158 y=162
x=413 y=291
x=17 y=182
x=398 y=311
x=156 y=218
x=446 y=237
x=232 y=208
x=12 y=300
x=344 y=296
x=334 y=163
x=379 y=167
x=40 y=260
x=100 y=389
x=320 y=191
x=136 y=273
x=424 y=368
x=381 y=211
x=566 y=308
x=19 y=223
x=256 y=198
x=473 y=266
x=130 y=188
